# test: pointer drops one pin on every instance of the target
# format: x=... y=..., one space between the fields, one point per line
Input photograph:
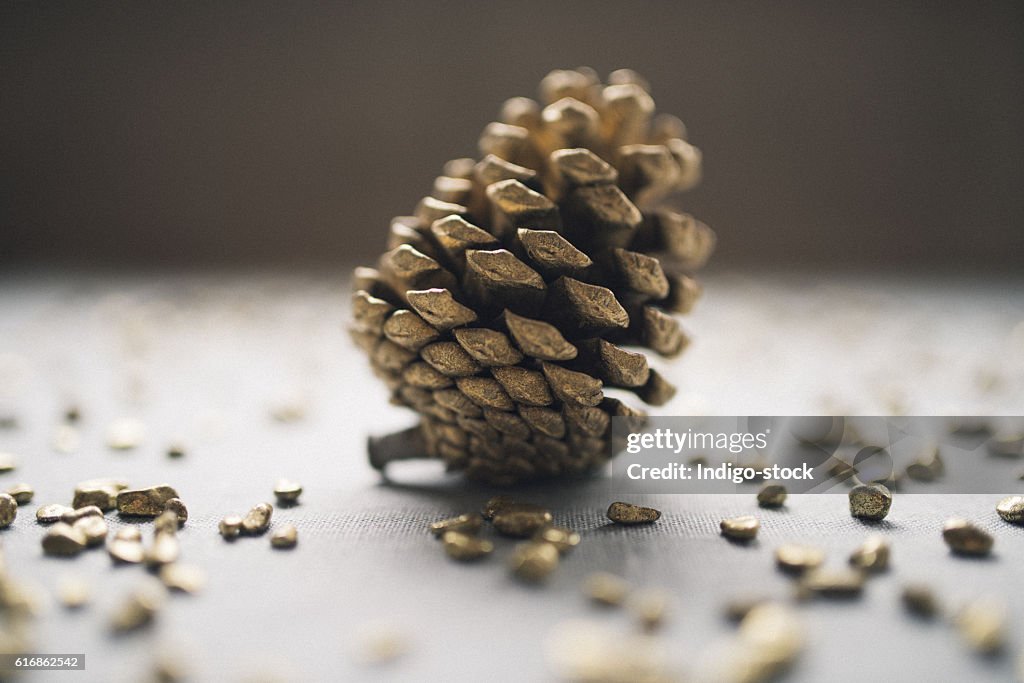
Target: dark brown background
x=250 y=132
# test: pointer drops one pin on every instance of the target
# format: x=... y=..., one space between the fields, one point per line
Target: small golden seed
x=872 y=555
x=740 y=528
x=464 y=547
x=126 y=550
x=964 y=538
x=650 y=607
x=184 y=578
x=796 y=559
x=982 y=624
x=128 y=533
x=738 y=608
x=257 y=520
x=177 y=506
x=286 y=536
x=605 y=588
x=8 y=462
x=63 y=539
x=494 y=505
x=102 y=496
x=176 y=450
x=21 y=493
x=563 y=539
x=48 y=514
x=72 y=516
x=627 y=513
x=125 y=434
x=469 y=523
x=287 y=492
x=533 y=561
x=230 y=526
x=93 y=528
x=870 y=501
x=521 y=520
x=163 y=550
x=1012 y=509
x=772 y=496
x=919 y=600
x=73 y=592
x=148 y=502
x=8 y=510
x=139 y=608
x=166 y=522
x=838 y=583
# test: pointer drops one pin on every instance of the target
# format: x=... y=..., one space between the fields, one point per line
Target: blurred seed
x=771 y=496
x=492 y=506
x=176 y=450
x=831 y=583
x=48 y=514
x=139 y=608
x=125 y=434
x=230 y=526
x=1012 y=509
x=627 y=513
x=464 y=547
x=163 y=550
x=982 y=624
x=380 y=643
x=21 y=493
x=605 y=588
x=177 y=506
x=170 y=666
x=649 y=606
x=63 y=539
x=872 y=555
x=534 y=561
x=128 y=533
x=796 y=559
x=148 y=502
x=126 y=550
x=93 y=529
x=469 y=523
x=1007 y=445
x=8 y=510
x=770 y=638
x=563 y=539
x=167 y=522
x=103 y=496
x=737 y=609
x=66 y=439
x=72 y=516
x=285 y=536
x=7 y=462
x=740 y=528
x=73 y=592
x=927 y=467
x=289 y=411
x=520 y=520
x=965 y=538
x=183 y=577
x=919 y=600
x=870 y=501
x=257 y=520
x=287 y=491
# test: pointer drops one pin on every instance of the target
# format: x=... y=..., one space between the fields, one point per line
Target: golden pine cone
x=503 y=305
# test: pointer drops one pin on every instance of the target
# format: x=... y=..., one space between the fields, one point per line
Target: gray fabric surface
x=203 y=358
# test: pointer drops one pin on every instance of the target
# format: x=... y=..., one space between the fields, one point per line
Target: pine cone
x=503 y=304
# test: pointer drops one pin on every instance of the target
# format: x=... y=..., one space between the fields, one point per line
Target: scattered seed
x=1007 y=445
x=770 y=637
x=66 y=439
x=257 y=520
x=469 y=523
x=872 y=555
x=125 y=550
x=494 y=505
x=982 y=624
x=176 y=450
x=8 y=462
x=139 y=608
x=797 y=559
x=965 y=538
x=125 y=434
x=103 y=496
x=464 y=547
x=287 y=491
x=562 y=538
x=72 y=516
x=606 y=589
x=48 y=514
x=627 y=513
x=167 y=522
x=170 y=665
x=72 y=413
x=63 y=539
x=94 y=529
x=73 y=592
x=176 y=506
x=831 y=583
x=230 y=526
x=521 y=520
x=148 y=502
x=649 y=606
x=928 y=466
x=380 y=643
x=870 y=501
x=772 y=496
x=533 y=561
x=740 y=528
x=21 y=493
x=129 y=533
x=285 y=536
x=163 y=550
x=738 y=608
x=919 y=600
x=1012 y=509
x=8 y=510
x=183 y=577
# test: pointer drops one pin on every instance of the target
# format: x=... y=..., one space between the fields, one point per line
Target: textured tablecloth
x=204 y=358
